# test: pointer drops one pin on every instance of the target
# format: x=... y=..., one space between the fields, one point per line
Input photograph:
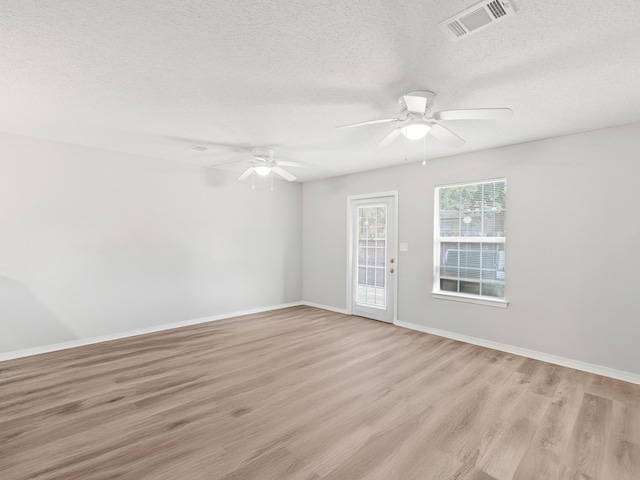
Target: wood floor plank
x=544 y=457
x=546 y=380
x=305 y=394
x=480 y=475
x=588 y=443
x=503 y=456
x=622 y=453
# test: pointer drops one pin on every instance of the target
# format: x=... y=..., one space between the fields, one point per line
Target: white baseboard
x=131 y=333
x=325 y=307
x=545 y=357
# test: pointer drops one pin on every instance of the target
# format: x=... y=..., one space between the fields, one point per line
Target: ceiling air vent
x=476 y=18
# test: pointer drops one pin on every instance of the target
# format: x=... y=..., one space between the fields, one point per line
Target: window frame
x=438 y=240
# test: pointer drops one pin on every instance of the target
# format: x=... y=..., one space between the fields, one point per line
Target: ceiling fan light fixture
x=415 y=130
x=263 y=170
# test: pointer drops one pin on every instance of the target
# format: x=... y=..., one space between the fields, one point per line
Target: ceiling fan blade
x=246 y=173
x=283 y=173
x=415 y=104
x=359 y=124
x=286 y=163
x=476 y=114
x=446 y=136
x=386 y=141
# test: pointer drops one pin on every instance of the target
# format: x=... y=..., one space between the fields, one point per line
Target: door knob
x=391 y=270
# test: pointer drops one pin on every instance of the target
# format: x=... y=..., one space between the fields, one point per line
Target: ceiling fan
x=417 y=120
x=263 y=164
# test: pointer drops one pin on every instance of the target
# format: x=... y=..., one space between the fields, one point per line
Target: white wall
x=573 y=245
x=94 y=242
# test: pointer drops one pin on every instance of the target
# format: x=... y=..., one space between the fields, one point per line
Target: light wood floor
x=307 y=394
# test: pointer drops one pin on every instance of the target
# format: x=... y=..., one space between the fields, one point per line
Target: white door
x=373 y=259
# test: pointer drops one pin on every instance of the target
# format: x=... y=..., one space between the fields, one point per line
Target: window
x=469 y=256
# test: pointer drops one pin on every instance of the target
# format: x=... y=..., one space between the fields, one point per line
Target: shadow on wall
x=24 y=321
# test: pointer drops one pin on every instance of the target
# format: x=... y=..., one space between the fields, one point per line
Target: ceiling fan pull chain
x=253 y=180
x=424 y=151
x=272 y=180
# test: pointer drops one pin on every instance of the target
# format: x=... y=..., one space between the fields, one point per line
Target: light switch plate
x=404 y=247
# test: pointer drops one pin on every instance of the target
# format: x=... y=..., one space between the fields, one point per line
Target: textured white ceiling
x=153 y=77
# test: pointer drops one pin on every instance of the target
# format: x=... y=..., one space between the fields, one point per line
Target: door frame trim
x=369 y=196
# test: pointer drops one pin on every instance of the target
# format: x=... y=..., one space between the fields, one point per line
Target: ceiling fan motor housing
x=428 y=95
x=262 y=153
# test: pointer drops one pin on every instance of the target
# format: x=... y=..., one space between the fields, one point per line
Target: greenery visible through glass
x=473 y=210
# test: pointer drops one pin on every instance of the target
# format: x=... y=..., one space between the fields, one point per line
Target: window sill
x=457 y=297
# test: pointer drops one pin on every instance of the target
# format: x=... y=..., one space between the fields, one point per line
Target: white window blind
x=469 y=254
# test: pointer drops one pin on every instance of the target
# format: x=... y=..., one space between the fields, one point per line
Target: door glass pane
x=372 y=255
